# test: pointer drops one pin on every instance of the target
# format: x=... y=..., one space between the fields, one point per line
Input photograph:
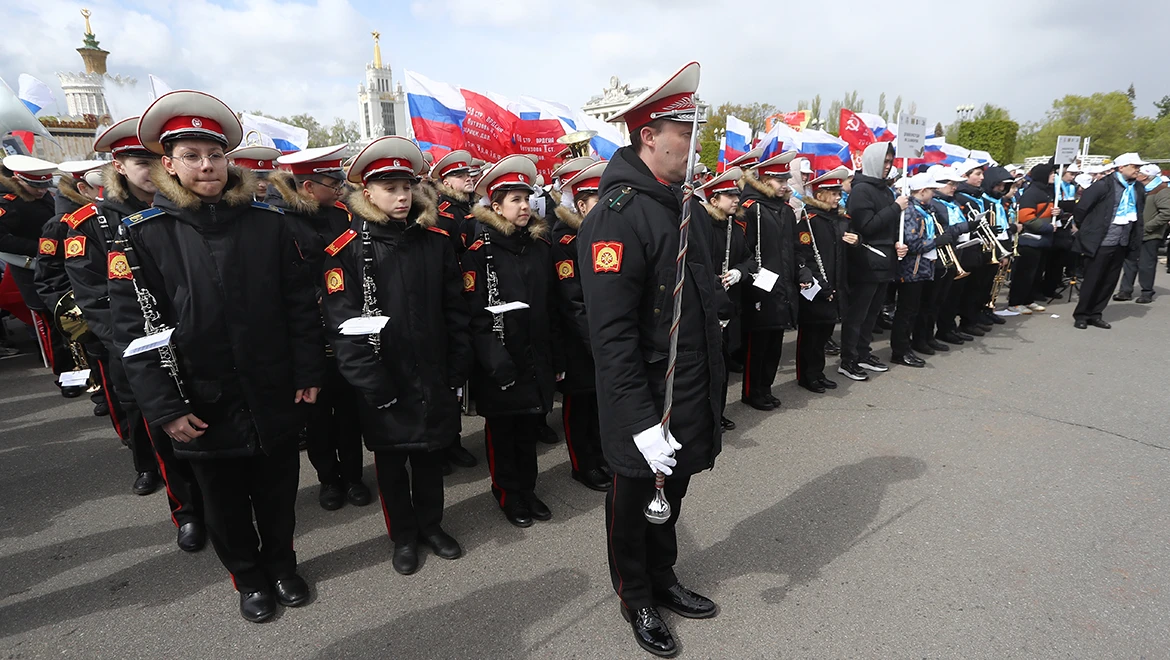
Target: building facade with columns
x=617 y=96
x=381 y=103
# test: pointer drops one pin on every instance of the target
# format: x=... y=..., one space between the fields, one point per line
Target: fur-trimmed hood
x=570 y=217
x=537 y=227
x=716 y=214
x=115 y=187
x=239 y=191
x=751 y=180
x=293 y=195
x=444 y=189
x=10 y=184
x=422 y=211
x=427 y=189
x=67 y=188
x=817 y=204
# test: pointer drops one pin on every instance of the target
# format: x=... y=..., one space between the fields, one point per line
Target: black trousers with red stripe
x=641 y=555
x=762 y=361
x=183 y=495
x=412 y=503
x=810 y=351
x=100 y=366
x=235 y=490
x=53 y=343
x=511 y=451
x=582 y=430
x=334 y=429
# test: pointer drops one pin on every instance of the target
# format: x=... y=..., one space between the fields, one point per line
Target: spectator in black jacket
x=874 y=215
x=1035 y=214
x=1109 y=221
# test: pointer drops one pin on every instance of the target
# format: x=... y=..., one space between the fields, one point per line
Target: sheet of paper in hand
x=765 y=279
x=148 y=343
x=73 y=378
x=363 y=325
x=812 y=291
x=506 y=307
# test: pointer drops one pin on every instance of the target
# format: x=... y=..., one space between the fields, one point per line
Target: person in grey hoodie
x=875 y=215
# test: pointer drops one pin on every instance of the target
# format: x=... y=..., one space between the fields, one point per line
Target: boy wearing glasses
x=308 y=188
x=230 y=385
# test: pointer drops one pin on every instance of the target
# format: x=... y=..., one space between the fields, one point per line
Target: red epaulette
x=439 y=231
x=567 y=238
x=341 y=241
x=79 y=216
x=339 y=205
x=742 y=224
x=475 y=246
x=748 y=203
x=443 y=210
x=9 y=197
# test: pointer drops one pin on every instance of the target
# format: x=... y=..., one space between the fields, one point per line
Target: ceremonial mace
x=658 y=509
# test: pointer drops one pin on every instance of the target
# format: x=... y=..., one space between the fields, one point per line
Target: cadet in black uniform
x=260 y=160
x=245 y=357
x=452 y=179
x=308 y=188
x=25 y=206
x=628 y=247
x=410 y=372
x=126 y=190
x=822 y=242
x=579 y=408
x=729 y=248
x=771 y=238
x=514 y=374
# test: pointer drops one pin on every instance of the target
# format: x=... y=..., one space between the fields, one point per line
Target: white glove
x=657 y=448
x=733 y=277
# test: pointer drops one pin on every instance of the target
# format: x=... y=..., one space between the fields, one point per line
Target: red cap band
x=34 y=178
x=828 y=183
x=255 y=165
x=776 y=169
x=517 y=179
x=196 y=125
x=453 y=167
x=387 y=166
x=665 y=107
x=129 y=143
x=722 y=187
x=587 y=185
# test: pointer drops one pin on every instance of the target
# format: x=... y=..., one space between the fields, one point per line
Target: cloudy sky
x=286 y=57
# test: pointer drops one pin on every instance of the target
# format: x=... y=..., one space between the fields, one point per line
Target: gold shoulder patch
x=805 y=238
x=119 y=268
x=74 y=247
x=468 y=281
x=565 y=269
x=334 y=280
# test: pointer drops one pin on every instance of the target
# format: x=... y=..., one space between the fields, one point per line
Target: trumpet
x=990 y=242
x=947 y=256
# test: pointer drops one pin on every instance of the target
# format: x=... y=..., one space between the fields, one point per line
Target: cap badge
x=196 y=122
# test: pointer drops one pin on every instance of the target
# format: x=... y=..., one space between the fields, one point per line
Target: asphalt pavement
x=1010 y=500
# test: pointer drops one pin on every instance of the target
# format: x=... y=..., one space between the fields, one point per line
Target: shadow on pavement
x=488 y=623
x=805 y=531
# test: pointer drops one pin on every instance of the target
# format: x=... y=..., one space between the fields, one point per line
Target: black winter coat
x=875 y=218
x=738 y=258
x=825 y=225
x=521 y=260
x=22 y=218
x=1095 y=212
x=628 y=246
x=229 y=279
x=772 y=223
x=425 y=347
x=314 y=227
x=454 y=211
x=50 y=277
x=578 y=356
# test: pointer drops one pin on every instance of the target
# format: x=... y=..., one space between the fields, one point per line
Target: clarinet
x=493 y=287
x=727 y=250
x=370 y=289
x=816 y=252
x=152 y=319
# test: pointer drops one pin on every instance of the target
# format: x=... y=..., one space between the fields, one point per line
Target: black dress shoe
x=444 y=545
x=964 y=336
x=517 y=513
x=548 y=436
x=937 y=345
x=684 y=602
x=1142 y=300
x=146 y=483
x=814 y=387
x=973 y=330
x=291 y=590
x=72 y=391
x=953 y=338
x=1080 y=325
x=331 y=497
x=923 y=348
x=593 y=479
x=460 y=456
x=191 y=537
x=828 y=384
x=759 y=403
x=257 y=606
x=358 y=494
x=650 y=631
x=537 y=508
x=994 y=318
x=1099 y=323
x=773 y=400
x=985 y=327
x=909 y=360
x=1122 y=297
x=726 y=424
x=405 y=559
x=101 y=409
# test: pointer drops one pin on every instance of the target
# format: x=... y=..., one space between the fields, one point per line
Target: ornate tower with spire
x=381 y=105
x=85 y=92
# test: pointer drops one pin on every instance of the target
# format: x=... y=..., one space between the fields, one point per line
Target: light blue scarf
x=1154 y=183
x=1128 y=203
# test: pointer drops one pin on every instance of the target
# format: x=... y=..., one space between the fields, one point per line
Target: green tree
x=882 y=111
x=754 y=114
x=340 y=132
x=995 y=136
x=938 y=130
x=709 y=155
x=897 y=108
x=1107 y=118
x=1163 y=107
x=833 y=119
x=1131 y=93
x=989 y=111
x=814 y=110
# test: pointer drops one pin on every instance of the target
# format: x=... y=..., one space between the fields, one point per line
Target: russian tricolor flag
x=937 y=150
x=738 y=139
x=34 y=94
x=882 y=132
x=437 y=111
